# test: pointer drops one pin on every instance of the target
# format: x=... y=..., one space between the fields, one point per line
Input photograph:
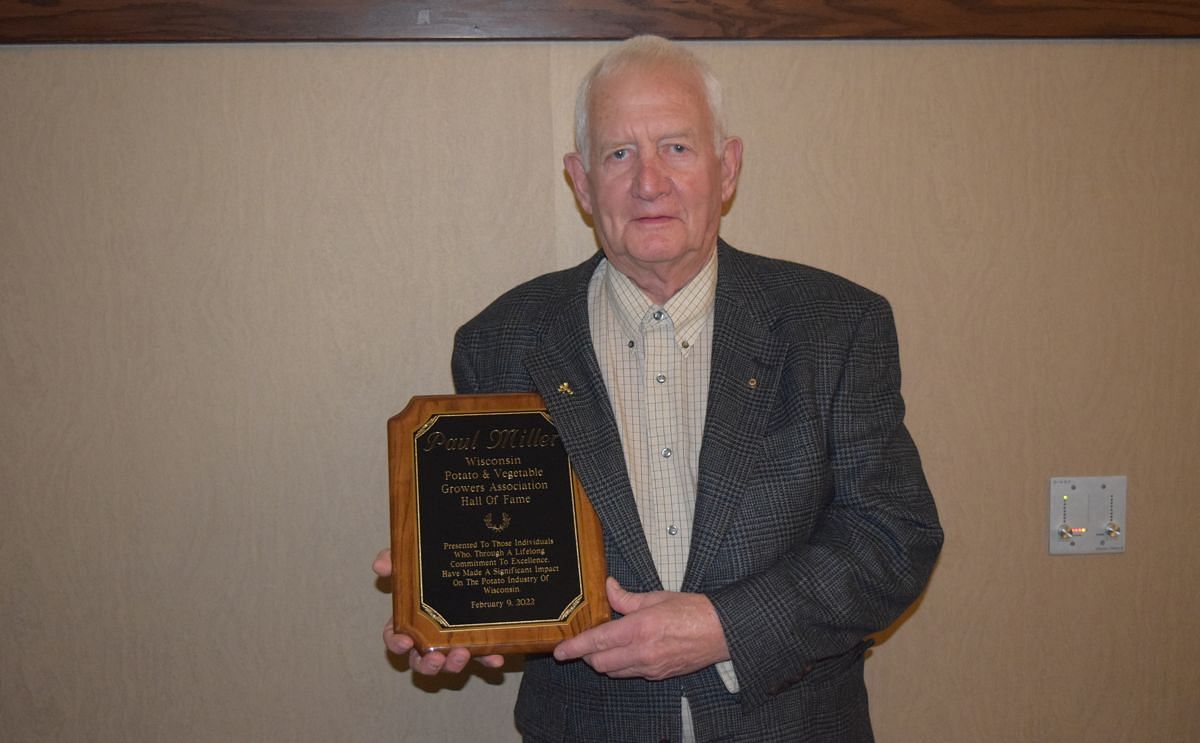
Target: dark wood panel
x=90 y=21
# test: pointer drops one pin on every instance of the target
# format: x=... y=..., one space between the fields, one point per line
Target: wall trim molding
x=156 y=21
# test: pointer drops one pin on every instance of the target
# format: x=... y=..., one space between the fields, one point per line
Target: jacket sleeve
x=461 y=366
x=871 y=549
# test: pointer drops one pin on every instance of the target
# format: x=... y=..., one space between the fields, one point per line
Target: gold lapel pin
x=566 y=389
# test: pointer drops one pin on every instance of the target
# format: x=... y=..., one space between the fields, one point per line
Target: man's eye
x=678 y=149
x=620 y=154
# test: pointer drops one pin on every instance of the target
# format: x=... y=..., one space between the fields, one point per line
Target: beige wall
x=223 y=267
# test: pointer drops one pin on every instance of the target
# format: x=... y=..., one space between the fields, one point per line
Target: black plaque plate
x=497 y=546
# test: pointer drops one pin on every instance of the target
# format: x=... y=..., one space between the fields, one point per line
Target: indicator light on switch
x=1087 y=515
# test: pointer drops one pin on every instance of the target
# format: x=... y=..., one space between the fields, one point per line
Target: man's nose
x=650 y=180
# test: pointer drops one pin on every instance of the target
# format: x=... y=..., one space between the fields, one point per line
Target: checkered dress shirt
x=656 y=363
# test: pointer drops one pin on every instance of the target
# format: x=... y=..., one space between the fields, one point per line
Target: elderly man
x=737 y=423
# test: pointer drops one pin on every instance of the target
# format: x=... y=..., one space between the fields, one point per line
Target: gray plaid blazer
x=814 y=526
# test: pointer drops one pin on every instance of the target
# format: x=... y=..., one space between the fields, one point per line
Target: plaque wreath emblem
x=505 y=520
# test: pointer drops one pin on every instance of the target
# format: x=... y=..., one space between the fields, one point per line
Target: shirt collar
x=688 y=309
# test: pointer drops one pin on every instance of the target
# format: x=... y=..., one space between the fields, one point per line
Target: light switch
x=1087 y=515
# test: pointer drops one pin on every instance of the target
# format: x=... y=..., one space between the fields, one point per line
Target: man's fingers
x=618 y=662
x=595 y=640
x=584 y=643
x=456 y=660
x=669 y=634
x=491 y=661
x=434 y=662
x=396 y=643
x=428 y=664
x=383 y=563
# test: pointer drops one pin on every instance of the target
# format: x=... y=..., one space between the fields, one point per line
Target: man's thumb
x=621 y=601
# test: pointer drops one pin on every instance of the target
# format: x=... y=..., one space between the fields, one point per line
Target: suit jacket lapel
x=747 y=361
x=583 y=415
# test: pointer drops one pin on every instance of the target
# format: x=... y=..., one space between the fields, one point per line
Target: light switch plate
x=1087 y=515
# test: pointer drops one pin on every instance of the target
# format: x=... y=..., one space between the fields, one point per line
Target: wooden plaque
x=495 y=546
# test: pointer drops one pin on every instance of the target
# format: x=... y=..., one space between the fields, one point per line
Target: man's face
x=656 y=186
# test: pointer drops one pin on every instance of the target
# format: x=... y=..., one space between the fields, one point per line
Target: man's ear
x=573 y=161
x=731 y=166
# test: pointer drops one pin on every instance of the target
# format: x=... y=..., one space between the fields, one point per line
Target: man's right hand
x=433 y=662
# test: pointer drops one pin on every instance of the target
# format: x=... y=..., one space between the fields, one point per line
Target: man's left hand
x=662 y=634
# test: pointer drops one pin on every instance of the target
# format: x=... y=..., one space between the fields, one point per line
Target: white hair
x=643 y=52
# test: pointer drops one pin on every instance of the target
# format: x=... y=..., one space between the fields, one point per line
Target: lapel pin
x=566 y=389
x=752 y=382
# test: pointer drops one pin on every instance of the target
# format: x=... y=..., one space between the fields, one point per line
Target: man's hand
x=430 y=663
x=662 y=634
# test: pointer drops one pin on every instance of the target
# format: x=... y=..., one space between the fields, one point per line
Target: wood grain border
x=123 y=21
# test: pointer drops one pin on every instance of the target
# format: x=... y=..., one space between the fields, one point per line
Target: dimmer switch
x=1087 y=515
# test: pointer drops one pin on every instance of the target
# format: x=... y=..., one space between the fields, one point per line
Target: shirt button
x=685 y=344
x=631 y=344
x=661 y=378
x=672 y=530
x=666 y=452
x=658 y=314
